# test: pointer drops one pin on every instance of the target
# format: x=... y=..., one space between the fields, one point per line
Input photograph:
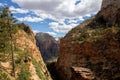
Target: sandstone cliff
x=48 y=46
x=29 y=64
x=91 y=51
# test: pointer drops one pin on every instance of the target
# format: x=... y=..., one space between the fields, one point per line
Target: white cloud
x=72 y=21
x=1 y=4
x=75 y=20
x=52 y=33
x=18 y=10
x=61 y=28
x=87 y=7
x=43 y=14
x=46 y=5
x=30 y=19
x=36 y=31
x=59 y=10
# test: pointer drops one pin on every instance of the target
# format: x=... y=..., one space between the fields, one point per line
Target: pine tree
x=7 y=29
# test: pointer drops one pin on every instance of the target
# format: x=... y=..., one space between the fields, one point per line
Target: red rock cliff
x=95 y=48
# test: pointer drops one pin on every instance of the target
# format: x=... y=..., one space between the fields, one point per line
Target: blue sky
x=55 y=17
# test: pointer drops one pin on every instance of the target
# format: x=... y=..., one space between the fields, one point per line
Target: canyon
x=90 y=51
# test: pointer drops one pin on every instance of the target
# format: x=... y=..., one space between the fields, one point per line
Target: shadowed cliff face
x=114 y=3
x=48 y=46
x=91 y=51
x=110 y=12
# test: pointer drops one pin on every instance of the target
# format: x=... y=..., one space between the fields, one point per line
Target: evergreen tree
x=7 y=29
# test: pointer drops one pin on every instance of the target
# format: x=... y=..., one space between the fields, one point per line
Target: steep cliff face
x=110 y=12
x=29 y=64
x=113 y=3
x=91 y=51
x=48 y=46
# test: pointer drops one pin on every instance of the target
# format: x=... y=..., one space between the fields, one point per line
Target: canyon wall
x=91 y=51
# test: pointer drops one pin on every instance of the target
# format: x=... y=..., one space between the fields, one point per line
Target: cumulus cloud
x=60 y=8
x=30 y=19
x=87 y=7
x=46 y=5
x=36 y=31
x=59 y=11
x=61 y=28
x=18 y=10
x=1 y=4
x=75 y=20
x=52 y=33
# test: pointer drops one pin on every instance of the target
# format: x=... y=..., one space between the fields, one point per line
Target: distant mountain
x=48 y=46
x=91 y=51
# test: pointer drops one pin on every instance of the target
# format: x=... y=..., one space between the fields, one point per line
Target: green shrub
x=3 y=76
x=39 y=70
x=24 y=72
x=23 y=66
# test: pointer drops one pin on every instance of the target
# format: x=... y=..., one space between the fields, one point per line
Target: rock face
x=93 y=45
x=48 y=46
x=80 y=73
x=28 y=42
x=113 y=3
x=28 y=60
x=110 y=12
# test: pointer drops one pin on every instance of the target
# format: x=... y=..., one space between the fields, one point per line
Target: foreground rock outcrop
x=94 y=46
x=82 y=73
x=48 y=46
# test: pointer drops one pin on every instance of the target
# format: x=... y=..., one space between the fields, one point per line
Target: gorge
x=90 y=51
